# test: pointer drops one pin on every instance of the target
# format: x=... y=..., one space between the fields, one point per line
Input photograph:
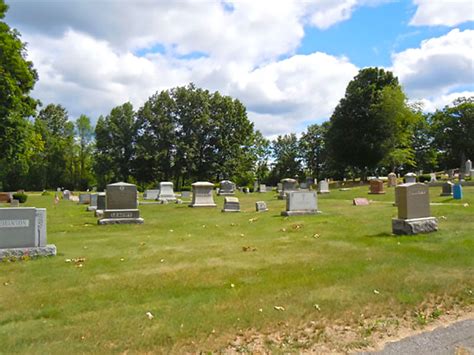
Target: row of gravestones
x=23 y=230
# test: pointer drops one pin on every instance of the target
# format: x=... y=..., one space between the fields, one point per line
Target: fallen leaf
x=466 y=205
x=171 y=230
x=68 y=260
x=122 y=259
x=232 y=285
x=162 y=260
x=316 y=235
x=283 y=230
x=317 y=307
x=279 y=308
x=149 y=315
x=376 y=292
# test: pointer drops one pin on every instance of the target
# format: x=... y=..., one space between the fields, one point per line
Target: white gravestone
x=23 y=232
x=301 y=203
x=93 y=205
x=151 y=194
x=66 y=194
x=323 y=187
x=410 y=178
x=468 y=167
x=262 y=188
x=166 y=191
x=261 y=206
x=392 y=180
x=202 y=194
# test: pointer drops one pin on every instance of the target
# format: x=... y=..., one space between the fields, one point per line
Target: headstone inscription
x=301 y=203
x=166 y=191
x=392 y=180
x=231 y=204
x=413 y=210
x=323 y=187
x=93 y=205
x=447 y=189
x=288 y=185
x=202 y=194
x=457 y=192
x=151 y=194
x=410 y=178
x=376 y=187
x=121 y=206
x=227 y=188
x=261 y=206
x=23 y=232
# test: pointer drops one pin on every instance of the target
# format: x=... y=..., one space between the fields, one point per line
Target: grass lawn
x=188 y=267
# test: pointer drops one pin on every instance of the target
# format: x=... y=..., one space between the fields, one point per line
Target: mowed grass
x=188 y=268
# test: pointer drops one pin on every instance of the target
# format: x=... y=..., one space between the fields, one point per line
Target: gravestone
x=450 y=173
x=186 y=194
x=227 y=188
x=84 y=199
x=447 y=189
x=93 y=205
x=231 y=204
x=433 y=177
x=301 y=203
x=279 y=187
x=15 y=203
x=323 y=187
x=468 y=167
x=410 y=178
x=166 y=191
x=121 y=206
x=66 y=195
x=23 y=233
x=304 y=186
x=472 y=175
x=100 y=204
x=457 y=192
x=5 y=197
x=202 y=194
x=288 y=185
x=358 y=201
x=255 y=186
x=151 y=194
x=262 y=188
x=413 y=210
x=376 y=187
x=261 y=206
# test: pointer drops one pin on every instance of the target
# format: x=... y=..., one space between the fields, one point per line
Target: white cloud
x=439 y=66
x=439 y=102
x=442 y=12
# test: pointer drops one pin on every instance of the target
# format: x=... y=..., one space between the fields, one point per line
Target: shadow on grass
x=382 y=235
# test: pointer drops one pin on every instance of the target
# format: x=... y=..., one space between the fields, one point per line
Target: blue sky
x=289 y=62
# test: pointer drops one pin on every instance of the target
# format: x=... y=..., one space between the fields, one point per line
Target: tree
x=286 y=152
x=85 y=135
x=313 y=149
x=17 y=78
x=453 y=131
x=115 y=145
x=368 y=122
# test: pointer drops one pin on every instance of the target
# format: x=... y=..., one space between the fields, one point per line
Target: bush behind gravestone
x=22 y=197
x=186 y=188
x=424 y=178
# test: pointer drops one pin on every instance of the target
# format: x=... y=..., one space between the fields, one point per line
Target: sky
x=288 y=62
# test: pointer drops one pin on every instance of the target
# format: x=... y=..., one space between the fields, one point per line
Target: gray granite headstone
x=93 y=205
x=227 y=188
x=410 y=178
x=186 y=194
x=447 y=189
x=15 y=203
x=23 y=232
x=262 y=188
x=66 y=194
x=84 y=199
x=261 y=206
x=121 y=206
x=301 y=203
x=288 y=185
x=151 y=194
x=323 y=187
x=231 y=204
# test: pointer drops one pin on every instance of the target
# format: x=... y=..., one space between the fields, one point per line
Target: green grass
x=181 y=263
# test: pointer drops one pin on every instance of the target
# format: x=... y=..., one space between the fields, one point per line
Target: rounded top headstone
x=202 y=183
x=288 y=180
x=410 y=174
x=121 y=183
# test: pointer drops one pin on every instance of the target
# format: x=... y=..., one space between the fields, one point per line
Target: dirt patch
x=357 y=334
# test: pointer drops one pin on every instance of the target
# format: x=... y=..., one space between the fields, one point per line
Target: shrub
x=424 y=178
x=22 y=197
x=45 y=193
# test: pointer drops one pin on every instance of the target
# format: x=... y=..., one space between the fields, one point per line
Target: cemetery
x=185 y=266
x=236 y=177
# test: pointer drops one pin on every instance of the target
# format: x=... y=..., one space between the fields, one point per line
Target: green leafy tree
x=115 y=145
x=368 y=123
x=85 y=136
x=17 y=78
x=313 y=149
x=453 y=131
x=287 y=156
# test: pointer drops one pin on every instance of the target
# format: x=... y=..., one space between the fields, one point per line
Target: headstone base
x=203 y=205
x=323 y=192
x=32 y=252
x=414 y=226
x=446 y=194
x=105 y=221
x=99 y=213
x=91 y=208
x=299 y=213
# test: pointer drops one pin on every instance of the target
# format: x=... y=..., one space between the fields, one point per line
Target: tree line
x=187 y=134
